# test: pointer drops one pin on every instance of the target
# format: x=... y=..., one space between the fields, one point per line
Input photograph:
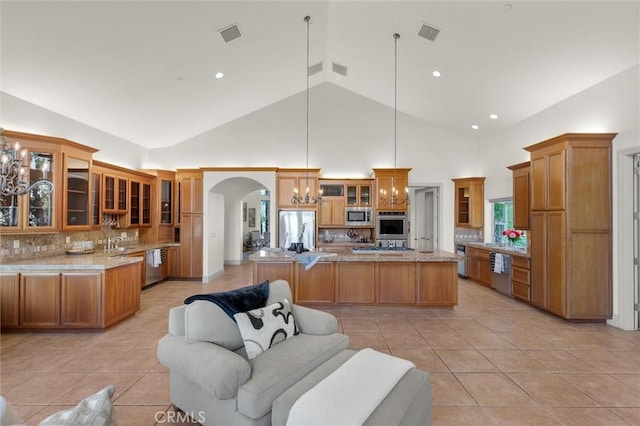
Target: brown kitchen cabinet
x=121 y=293
x=521 y=278
x=571 y=240
x=331 y=212
x=469 y=202
x=290 y=179
x=9 y=299
x=396 y=283
x=60 y=300
x=40 y=300
x=37 y=211
x=191 y=223
x=80 y=297
x=355 y=282
x=478 y=263
x=358 y=193
x=315 y=286
x=386 y=181
x=435 y=284
x=114 y=194
x=521 y=174
x=139 y=204
x=173 y=259
x=76 y=196
x=83 y=300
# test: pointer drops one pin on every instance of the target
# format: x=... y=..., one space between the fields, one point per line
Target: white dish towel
x=157 y=258
x=498 y=263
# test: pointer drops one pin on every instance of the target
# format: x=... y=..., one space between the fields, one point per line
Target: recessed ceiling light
x=475 y=126
x=507 y=7
x=437 y=73
x=219 y=75
x=179 y=79
x=493 y=116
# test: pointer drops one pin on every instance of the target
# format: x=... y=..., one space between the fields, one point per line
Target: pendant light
x=297 y=198
x=394 y=198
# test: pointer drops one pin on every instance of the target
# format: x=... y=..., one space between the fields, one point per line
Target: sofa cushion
x=264 y=328
x=279 y=368
x=206 y=322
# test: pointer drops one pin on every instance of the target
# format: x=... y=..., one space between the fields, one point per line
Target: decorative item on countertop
x=513 y=236
x=81 y=247
x=352 y=233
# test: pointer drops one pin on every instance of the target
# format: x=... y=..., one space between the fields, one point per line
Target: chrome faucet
x=112 y=242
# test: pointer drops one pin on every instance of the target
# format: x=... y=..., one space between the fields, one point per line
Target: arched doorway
x=223 y=216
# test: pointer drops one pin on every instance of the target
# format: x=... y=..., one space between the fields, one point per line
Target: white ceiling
x=144 y=71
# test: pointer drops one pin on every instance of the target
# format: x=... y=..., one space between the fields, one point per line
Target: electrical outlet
x=123 y=234
x=16 y=244
x=67 y=239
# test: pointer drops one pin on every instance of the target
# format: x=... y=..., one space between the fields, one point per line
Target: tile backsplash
x=17 y=247
x=468 y=235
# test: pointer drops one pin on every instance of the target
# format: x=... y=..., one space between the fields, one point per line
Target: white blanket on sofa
x=352 y=392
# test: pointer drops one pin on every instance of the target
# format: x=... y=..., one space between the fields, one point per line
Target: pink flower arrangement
x=513 y=234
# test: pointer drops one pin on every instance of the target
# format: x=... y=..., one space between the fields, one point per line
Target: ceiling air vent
x=230 y=33
x=339 y=69
x=428 y=31
x=315 y=69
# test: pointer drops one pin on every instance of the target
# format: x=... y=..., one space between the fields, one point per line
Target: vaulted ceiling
x=145 y=71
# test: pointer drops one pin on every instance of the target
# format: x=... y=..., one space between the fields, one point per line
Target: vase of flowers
x=513 y=236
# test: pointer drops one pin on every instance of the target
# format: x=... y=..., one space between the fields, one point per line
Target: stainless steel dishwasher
x=153 y=265
x=501 y=273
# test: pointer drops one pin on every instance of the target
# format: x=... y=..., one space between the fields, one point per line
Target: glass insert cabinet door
x=36 y=208
x=78 y=194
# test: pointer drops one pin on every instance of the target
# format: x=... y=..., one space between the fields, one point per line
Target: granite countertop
x=95 y=261
x=498 y=249
x=349 y=256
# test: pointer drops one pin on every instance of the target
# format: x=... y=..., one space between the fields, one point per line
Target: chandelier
x=297 y=198
x=14 y=166
x=395 y=199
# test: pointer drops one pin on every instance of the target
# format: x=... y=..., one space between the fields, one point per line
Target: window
x=503 y=219
x=264 y=216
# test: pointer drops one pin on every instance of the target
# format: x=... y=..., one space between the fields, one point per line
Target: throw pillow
x=95 y=410
x=265 y=327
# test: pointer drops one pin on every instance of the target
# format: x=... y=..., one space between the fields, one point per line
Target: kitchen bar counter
x=346 y=255
x=497 y=249
x=405 y=278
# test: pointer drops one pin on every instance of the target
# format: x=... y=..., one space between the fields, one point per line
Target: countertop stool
x=408 y=403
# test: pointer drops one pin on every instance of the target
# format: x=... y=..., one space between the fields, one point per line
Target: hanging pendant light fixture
x=14 y=165
x=394 y=199
x=297 y=198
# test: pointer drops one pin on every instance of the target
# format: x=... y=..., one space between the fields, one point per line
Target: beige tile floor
x=493 y=360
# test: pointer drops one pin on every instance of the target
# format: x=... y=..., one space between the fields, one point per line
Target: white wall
x=23 y=116
x=349 y=135
x=611 y=106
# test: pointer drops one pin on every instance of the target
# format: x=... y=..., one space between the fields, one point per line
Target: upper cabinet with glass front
x=79 y=195
x=50 y=159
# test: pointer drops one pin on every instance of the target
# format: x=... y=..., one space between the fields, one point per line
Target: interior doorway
x=424 y=212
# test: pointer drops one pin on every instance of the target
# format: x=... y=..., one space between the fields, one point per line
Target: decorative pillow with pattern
x=265 y=327
x=95 y=410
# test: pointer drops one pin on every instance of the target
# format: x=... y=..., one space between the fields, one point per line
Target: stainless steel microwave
x=358 y=216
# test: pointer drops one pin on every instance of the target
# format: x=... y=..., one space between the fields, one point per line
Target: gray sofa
x=211 y=378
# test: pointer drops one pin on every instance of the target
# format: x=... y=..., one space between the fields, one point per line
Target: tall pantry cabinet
x=571 y=239
x=190 y=204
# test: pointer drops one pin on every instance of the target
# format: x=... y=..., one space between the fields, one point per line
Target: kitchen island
x=342 y=277
x=88 y=292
